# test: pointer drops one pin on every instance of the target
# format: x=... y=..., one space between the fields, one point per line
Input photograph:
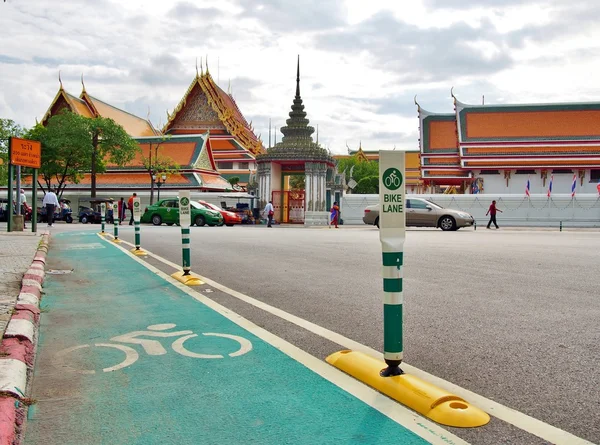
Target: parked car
x=61 y=213
x=167 y=211
x=229 y=218
x=423 y=213
x=92 y=214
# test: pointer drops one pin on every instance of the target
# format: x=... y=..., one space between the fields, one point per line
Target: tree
x=360 y=170
x=298 y=182
x=367 y=185
x=8 y=128
x=158 y=164
x=233 y=180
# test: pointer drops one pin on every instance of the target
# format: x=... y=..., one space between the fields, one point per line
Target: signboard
x=115 y=208
x=185 y=214
x=25 y=153
x=137 y=209
x=392 y=194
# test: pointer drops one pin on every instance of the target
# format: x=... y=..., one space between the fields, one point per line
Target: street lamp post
x=159 y=181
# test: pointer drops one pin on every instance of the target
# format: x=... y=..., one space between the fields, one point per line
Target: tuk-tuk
x=61 y=213
x=92 y=213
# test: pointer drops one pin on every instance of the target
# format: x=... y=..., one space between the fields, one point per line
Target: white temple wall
x=517 y=182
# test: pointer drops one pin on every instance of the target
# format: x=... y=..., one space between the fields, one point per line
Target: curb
x=17 y=349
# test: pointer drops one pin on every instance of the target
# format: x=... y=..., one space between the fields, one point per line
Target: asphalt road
x=510 y=314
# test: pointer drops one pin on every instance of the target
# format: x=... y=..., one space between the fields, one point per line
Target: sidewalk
x=126 y=357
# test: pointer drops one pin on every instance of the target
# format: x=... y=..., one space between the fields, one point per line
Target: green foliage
x=298 y=182
x=8 y=128
x=367 y=185
x=233 y=180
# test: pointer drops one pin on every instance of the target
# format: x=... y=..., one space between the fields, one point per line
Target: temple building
x=502 y=148
x=206 y=136
x=298 y=155
x=412 y=165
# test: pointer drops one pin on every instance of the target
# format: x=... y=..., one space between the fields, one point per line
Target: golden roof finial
x=196 y=66
x=229 y=87
x=201 y=67
x=417 y=104
x=207 y=64
x=82 y=84
x=60 y=80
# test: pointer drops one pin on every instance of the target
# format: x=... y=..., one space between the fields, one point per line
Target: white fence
x=517 y=210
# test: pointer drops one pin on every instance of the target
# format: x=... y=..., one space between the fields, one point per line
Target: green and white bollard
x=185 y=220
x=102 y=216
x=392 y=232
x=137 y=213
x=115 y=208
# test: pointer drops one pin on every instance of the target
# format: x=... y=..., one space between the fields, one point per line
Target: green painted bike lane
x=259 y=396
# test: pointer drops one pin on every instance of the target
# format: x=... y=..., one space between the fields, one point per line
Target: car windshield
x=433 y=204
x=213 y=206
x=197 y=205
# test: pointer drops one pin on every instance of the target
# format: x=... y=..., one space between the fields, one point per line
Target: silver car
x=423 y=213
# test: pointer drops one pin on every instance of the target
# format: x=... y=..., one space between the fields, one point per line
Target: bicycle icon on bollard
x=152 y=347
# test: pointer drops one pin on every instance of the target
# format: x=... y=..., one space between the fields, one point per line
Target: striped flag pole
x=392 y=223
x=573 y=186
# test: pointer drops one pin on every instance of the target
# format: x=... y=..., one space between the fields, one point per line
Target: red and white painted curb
x=17 y=348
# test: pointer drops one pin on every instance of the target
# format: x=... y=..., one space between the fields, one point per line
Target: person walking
x=130 y=207
x=492 y=212
x=24 y=206
x=335 y=215
x=121 y=210
x=51 y=202
x=270 y=211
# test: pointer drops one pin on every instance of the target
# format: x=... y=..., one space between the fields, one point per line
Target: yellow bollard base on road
x=419 y=395
x=139 y=252
x=116 y=240
x=188 y=280
x=102 y=233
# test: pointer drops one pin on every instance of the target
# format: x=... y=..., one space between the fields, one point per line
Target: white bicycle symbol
x=152 y=347
x=392 y=180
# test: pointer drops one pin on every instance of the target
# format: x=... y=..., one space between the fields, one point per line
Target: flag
x=527 y=187
x=550 y=185
x=573 y=186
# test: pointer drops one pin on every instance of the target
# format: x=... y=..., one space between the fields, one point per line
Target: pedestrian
x=121 y=210
x=24 y=206
x=51 y=202
x=130 y=207
x=270 y=212
x=110 y=218
x=492 y=212
x=335 y=215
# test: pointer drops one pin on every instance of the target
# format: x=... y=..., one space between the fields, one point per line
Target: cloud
x=187 y=11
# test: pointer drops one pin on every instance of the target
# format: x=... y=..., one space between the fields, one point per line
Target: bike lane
x=254 y=394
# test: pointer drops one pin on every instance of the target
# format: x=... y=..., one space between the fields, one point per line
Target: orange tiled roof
x=133 y=125
x=125 y=179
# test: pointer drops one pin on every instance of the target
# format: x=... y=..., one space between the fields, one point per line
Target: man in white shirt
x=269 y=211
x=50 y=201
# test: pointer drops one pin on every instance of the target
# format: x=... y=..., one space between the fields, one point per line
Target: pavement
x=22 y=262
x=125 y=355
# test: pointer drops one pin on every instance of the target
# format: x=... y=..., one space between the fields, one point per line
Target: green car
x=167 y=211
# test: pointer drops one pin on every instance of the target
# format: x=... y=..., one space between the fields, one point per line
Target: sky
x=362 y=62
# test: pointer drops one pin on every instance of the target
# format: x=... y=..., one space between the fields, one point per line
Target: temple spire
x=82 y=84
x=298 y=78
x=60 y=80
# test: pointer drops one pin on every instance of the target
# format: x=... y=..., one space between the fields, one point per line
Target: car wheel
x=83 y=219
x=156 y=220
x=377 y=222
x=447 y=223
x=69 y=219
x=199 y=221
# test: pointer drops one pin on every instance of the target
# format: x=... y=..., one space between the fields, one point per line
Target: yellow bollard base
x=423 y=397
x=116 y=241
x=139 y=252
x=188 y=280
x=102 y=233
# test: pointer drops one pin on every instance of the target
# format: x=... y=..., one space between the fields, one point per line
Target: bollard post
x=137 y=213
x=392 y=232
x=103 y=216
x=185 y=220
x=475 y=224
x=115 y=207
x=560 y=226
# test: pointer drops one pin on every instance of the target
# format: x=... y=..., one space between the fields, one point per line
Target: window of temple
x=490 y=172
x=243 y=165
x=595 y=175
x=525 y=172
x=563 y=171
x=225 y=165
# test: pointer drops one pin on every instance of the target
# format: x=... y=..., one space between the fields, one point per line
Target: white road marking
x=516 y=418
x=245 y=345
x=131 y=357
x=409 y=419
